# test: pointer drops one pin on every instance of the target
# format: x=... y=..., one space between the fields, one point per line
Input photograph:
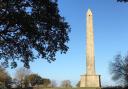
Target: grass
x=68 y=88
x=86 y=88
x=78 y=88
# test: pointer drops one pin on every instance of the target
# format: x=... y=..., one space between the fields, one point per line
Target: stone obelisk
x=90 y=79
x=90 y=45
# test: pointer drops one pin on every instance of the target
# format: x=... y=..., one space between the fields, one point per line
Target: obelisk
x=90 y=79
x=90 y=45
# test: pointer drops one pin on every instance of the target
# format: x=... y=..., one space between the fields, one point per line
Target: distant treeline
x=115 y=87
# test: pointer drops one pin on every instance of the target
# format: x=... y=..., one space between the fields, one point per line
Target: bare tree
x=21 y=74
x=119 y=69
x=66 y=84
x=53 y=84
x=78 y=84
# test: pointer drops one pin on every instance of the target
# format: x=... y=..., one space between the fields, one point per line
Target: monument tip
x=89 y=12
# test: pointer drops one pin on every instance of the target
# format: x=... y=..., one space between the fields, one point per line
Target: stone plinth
x=90 y=81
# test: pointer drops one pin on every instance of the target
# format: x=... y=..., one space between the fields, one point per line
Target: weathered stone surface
x=90 y=79
x=90 y=44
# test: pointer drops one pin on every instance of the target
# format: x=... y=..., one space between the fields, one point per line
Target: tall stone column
x=90 y=63
x=90 y=79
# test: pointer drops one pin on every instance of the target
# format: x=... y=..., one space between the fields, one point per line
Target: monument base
x=90 y=81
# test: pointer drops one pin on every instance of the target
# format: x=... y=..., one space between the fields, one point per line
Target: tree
x=5 y=79
x=122 y=0
x=26 y=82
x=8 y=81
x=66 y=84
x=21 y=75
x=15 y=83
x=29 y=26
x=46 y=82
x=53 y=84
x=119 y=69
x=35 y=79
x=3 y=75
x=78 y=84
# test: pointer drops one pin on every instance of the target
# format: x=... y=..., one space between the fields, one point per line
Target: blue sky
x=110 y=31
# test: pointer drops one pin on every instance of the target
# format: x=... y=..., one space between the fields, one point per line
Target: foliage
x=5 y=79
x=66 y=84
x=46 y=82
x=15 y=83
x=119 y=69
x=3 y=74
x=2 y=86
x=8 y=81
x=35 y=79
x=29 y=26
x=26 y=82
x=122 y=0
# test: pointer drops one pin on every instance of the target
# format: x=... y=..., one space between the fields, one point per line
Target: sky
x=110 y=20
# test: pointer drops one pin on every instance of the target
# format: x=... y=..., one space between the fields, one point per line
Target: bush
x=2 y=86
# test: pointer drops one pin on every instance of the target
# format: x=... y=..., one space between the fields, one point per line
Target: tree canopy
x=30 y=29
x=35 y=79
x=122 y=0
